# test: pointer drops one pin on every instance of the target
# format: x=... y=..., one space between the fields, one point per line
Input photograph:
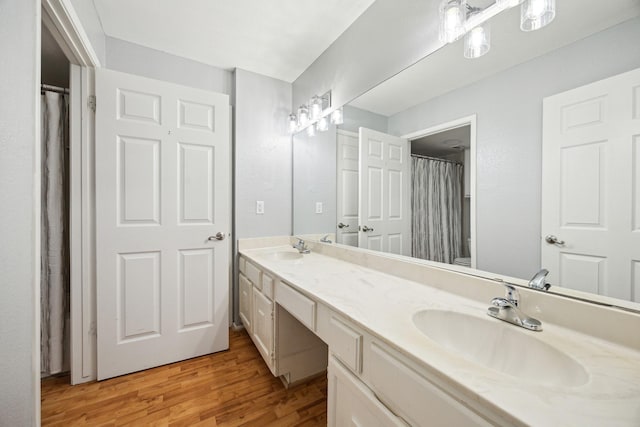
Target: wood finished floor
x=231 y=388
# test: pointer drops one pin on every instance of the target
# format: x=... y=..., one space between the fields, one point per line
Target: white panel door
x=347 y=185
x=384 y=192
x=162 y=189
x=591 y=187
x=245 y=288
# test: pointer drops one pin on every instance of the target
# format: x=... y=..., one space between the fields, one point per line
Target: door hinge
x=91 y=102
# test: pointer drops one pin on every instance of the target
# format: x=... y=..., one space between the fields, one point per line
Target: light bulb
x=477 y=42
x=303 y=115
x=336 y=117
x=316 y=107
x=452 y=18
x=323 y=124
x=311 y=130
x=293 y=123
x=535 y=14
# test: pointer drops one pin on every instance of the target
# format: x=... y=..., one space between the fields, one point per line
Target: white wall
x=388 y=37
x=19 y=213
x=314 y=180
x=509 y=138
x=262 y=155
x=92 y=26
x=136 y=59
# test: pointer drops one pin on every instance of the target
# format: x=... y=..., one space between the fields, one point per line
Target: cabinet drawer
x=345 y=343
x=242 y=262
x=411 y=396
x=298 y=305
x=253 y=273
x=267 y=286
x=351 y=403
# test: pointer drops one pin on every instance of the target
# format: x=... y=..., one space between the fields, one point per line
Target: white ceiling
x=276 y=38
x=447 y=69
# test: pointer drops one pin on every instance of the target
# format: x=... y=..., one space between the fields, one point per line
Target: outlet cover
x=259 y=207
x=318 y=207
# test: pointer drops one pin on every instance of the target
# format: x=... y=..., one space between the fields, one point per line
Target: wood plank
x=230 y=388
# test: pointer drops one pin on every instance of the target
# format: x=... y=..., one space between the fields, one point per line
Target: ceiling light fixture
x=458 y=18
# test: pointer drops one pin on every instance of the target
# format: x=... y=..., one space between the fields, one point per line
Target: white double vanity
x=410 y=343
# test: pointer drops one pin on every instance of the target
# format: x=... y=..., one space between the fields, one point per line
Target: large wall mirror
x=444 y=161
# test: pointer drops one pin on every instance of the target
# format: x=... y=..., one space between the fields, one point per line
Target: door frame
x=61 y=19
x=453 y=124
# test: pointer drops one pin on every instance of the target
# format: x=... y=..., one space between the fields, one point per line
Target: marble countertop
x=385 y=305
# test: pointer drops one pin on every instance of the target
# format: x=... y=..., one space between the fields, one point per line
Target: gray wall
x=354 y=118
x=262 y=155
x=509 y=138
x=19 y=212
x=388 y=37
x=92 y=26
x=314 y=180
x=135 y=59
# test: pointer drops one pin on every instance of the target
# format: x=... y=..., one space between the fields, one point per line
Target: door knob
x=365 y=228
x=341 y=225
x=553 y=240
x=219 y=236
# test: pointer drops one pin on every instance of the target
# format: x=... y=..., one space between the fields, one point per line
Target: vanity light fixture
x=458 y=18
x=312 y=117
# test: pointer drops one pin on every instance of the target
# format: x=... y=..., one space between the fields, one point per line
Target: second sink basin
x=501 y=347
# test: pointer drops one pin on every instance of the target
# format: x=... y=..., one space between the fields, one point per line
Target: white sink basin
x=284 y=256
x=502 y=347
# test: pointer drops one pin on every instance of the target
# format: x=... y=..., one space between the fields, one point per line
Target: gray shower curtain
x=436 y=203
x=54 y=282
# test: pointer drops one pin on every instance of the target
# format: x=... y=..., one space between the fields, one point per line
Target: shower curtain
x=54 y=282
x=436 y=202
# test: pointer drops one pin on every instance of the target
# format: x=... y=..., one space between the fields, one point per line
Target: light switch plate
x=259 y=207
x=318 y=207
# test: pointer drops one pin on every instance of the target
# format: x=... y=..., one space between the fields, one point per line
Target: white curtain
x=54 y=283
x=436 y=203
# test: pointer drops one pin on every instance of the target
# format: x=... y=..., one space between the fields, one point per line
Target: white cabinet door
x=352 y=404
x=347 y=185
x=263 y=326
x=246 y=299
x=591 y=187
x=162 y=188
x=384 y=190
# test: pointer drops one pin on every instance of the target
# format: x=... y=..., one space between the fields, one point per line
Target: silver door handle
x=365 y=228
x=219 y=236
x=553 y=240
x=341 y=225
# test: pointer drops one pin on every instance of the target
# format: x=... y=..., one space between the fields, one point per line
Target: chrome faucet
x=506 y=309
x=538 y=281
x=301 y=246
x=325 y=239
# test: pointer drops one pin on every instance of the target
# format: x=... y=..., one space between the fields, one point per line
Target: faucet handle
x=511 y=294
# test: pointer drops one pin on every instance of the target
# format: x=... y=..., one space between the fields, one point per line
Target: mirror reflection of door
x=385 y=205
x=347 y=185
x=590 y=187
